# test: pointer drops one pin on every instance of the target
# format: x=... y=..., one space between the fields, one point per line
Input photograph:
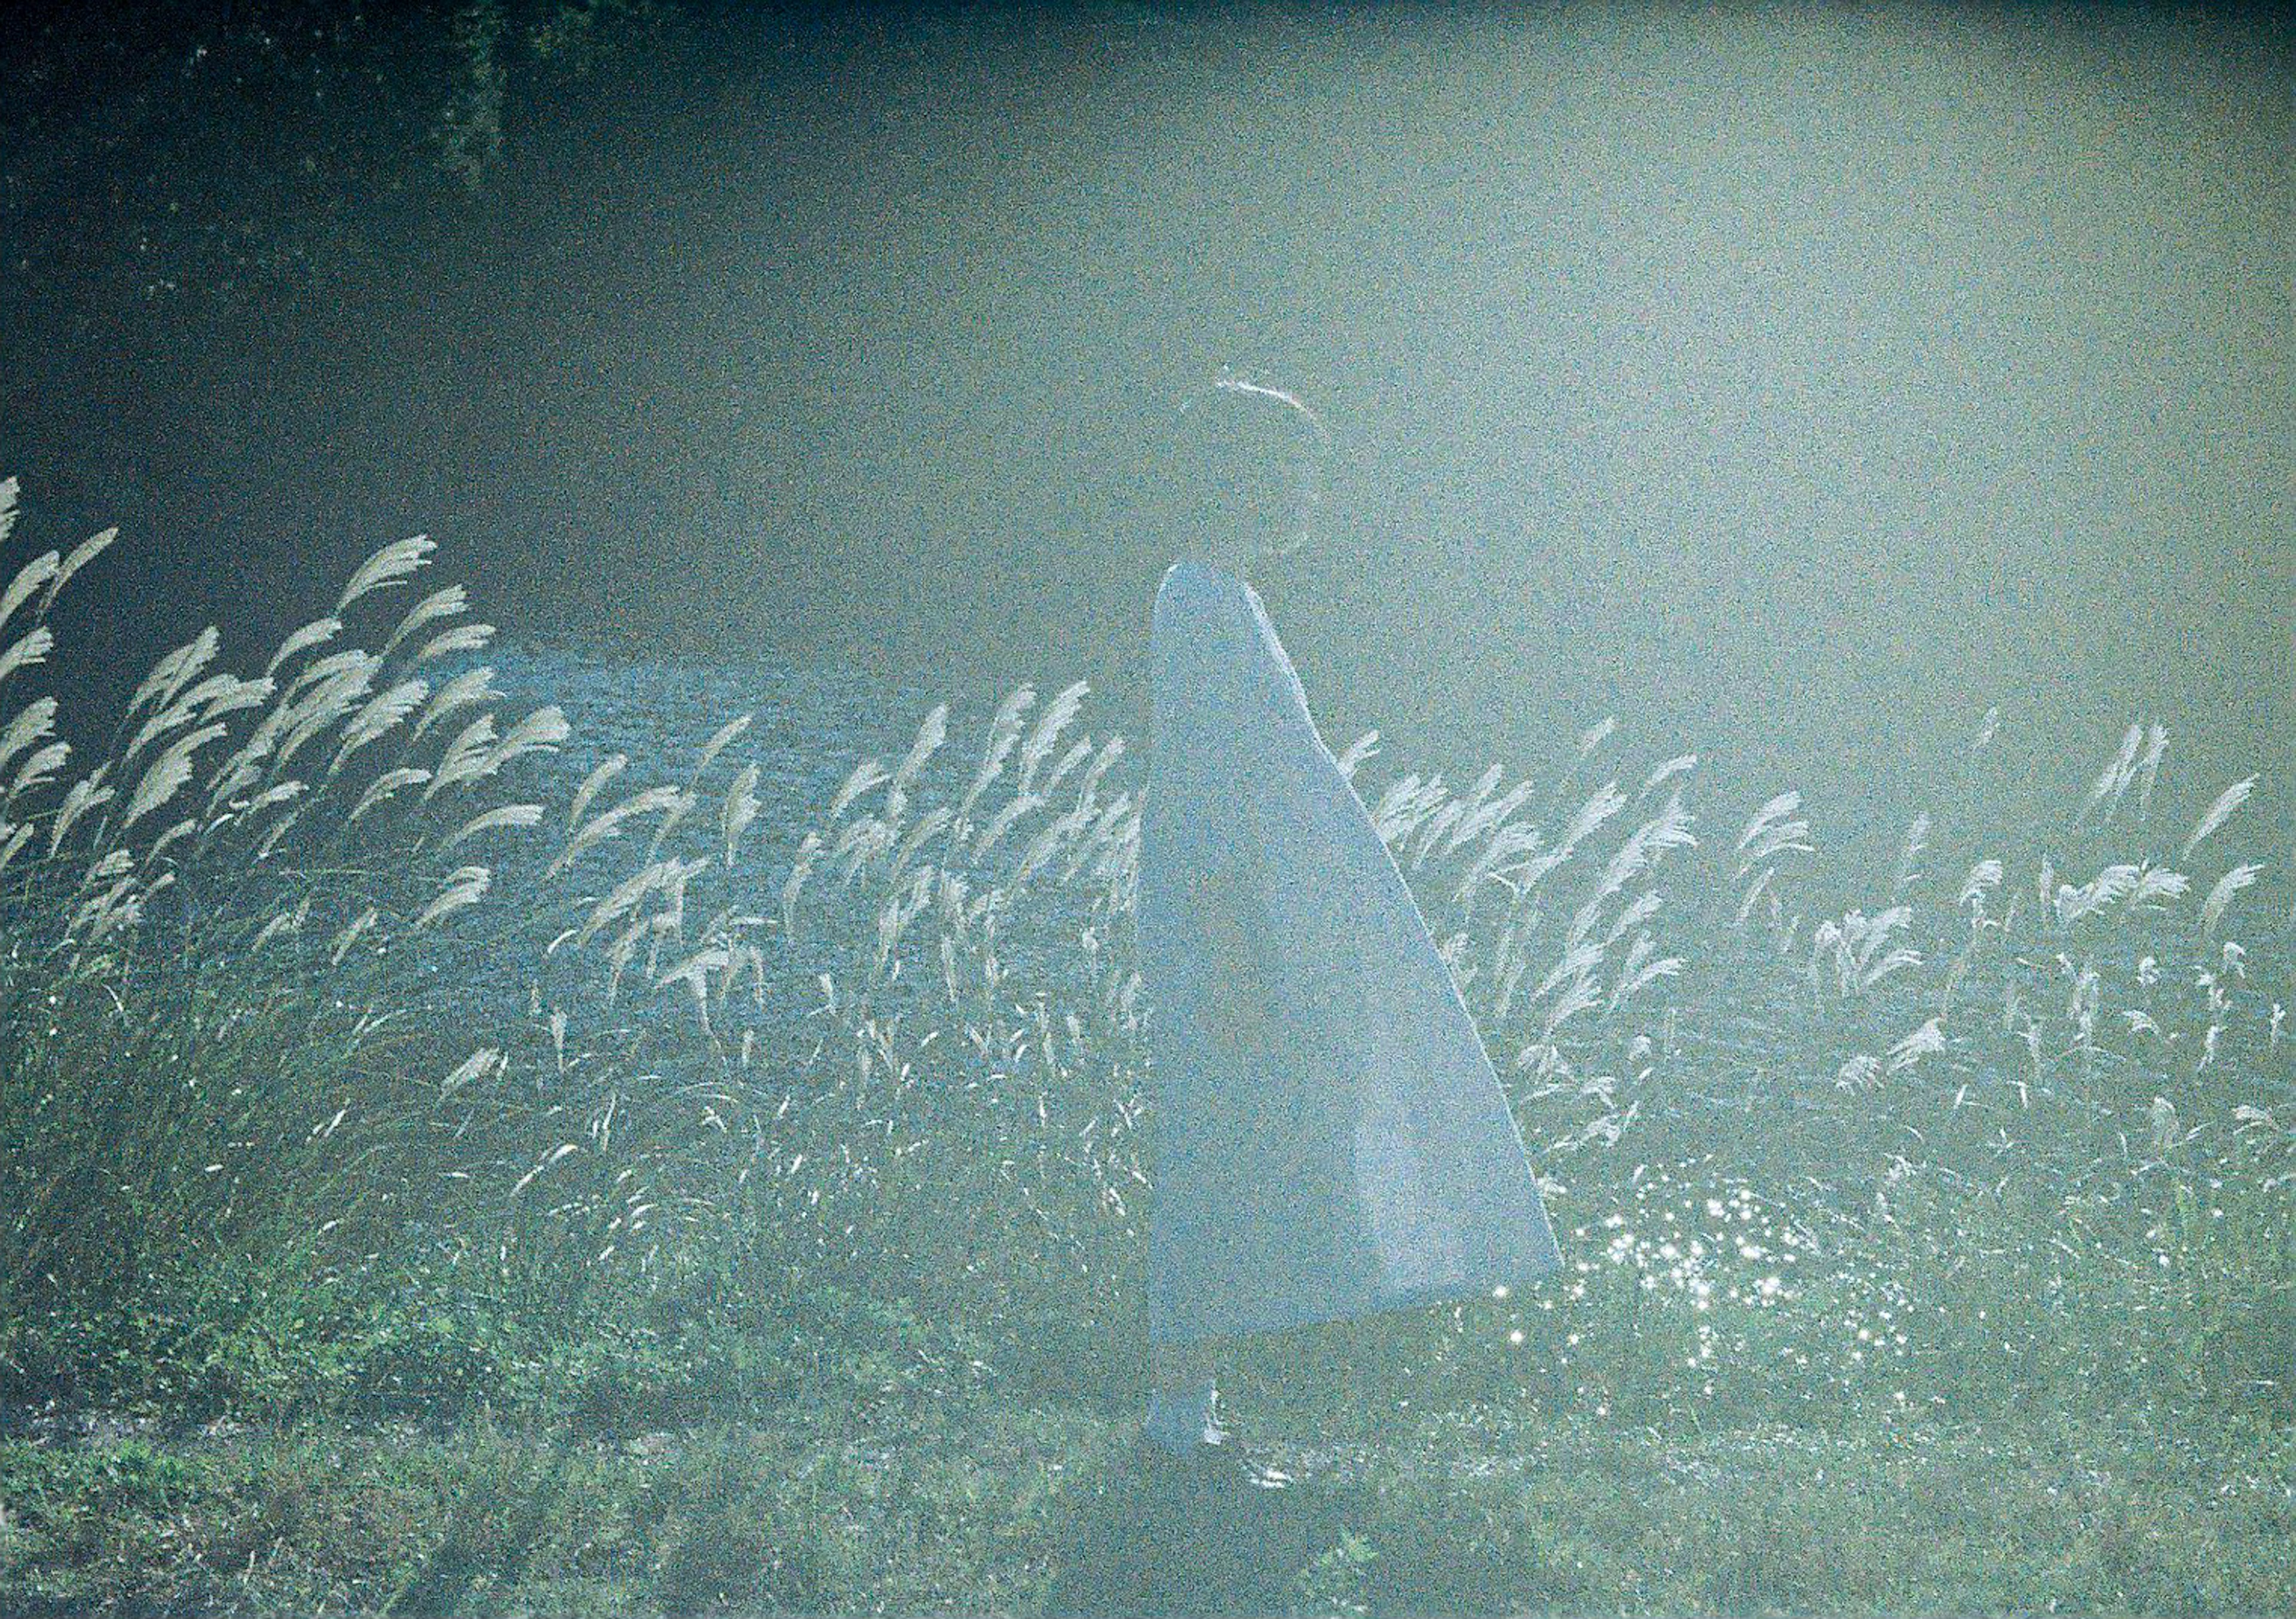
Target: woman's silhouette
x=1330 y=1138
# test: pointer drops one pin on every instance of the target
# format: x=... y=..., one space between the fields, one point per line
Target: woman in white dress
x=1330 y=1138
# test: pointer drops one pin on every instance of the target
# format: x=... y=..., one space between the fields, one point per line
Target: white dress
x=1351 y=1151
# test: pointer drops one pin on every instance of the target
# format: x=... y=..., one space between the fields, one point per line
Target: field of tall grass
x=360 y=1074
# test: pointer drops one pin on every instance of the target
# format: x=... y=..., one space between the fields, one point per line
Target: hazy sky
x=1794 y=382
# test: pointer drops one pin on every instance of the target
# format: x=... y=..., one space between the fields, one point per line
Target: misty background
x=1793 y=384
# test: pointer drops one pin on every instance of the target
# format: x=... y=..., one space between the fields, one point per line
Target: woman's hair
x=1245 y=468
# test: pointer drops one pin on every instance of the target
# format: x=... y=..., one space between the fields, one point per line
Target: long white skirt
x=1356 y=1153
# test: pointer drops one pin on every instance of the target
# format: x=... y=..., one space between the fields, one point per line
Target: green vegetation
x=768 y=1232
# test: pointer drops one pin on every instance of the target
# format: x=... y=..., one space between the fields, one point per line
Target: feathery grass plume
x=464 y=758
x=1076 y=755
x=34 y=723
x=320 y=677
x=1775 y=830
x=1926 y=1041
x=10 y=488
x=87 y=793
x=384 y=787
x=673 y=816
x=39 y=769
x=317 y=632
x=868 y=773
x=221 y=694
x=1578 y=961
x=2116 y=778
x=1583 y=996
x=722 y=738
x=1986 y=728
x=544 y=730
x=740 y=809
x=438 y=604
x=2113 y=883
x=1362 y=749
x=479 y=1066
x=1405 y=801
x=465 y=886
x=1100 y=838
x=2149 y=769
x=931 y=822
x=1102 y=762
x=1047 y=843
x=309 y=691
x=1667 y=830
x=331 y=699
x=604 y=771
x=1770 y=815
x=173 y=673
x=1002 y=822
x=452 y=642
x=1004 y=732
x=519 y=816
x=931 y=735
x=898 y=911
x=1606 y=801
x=1431 y=830
x=1596 y=734
x=182 y=828
x=1050 y=723
x=694 y=972
x=395 y=562
x=167 y=775
x=2220 y=896
x=1505 y=842
x=1645 y=907
x=376 y=718
x=1917 y=841
x=1862 y=1072
x=351 y=933
x=1639 y=971
x=81 y=555
x=1478 y=795
x=2218 y=813
x=284 y=923
x=28 y=578
x=245 y=813
x=1983 y=878
x=861 y=843
x=115 y=862
x=549 y=1158
x=1754 y=892
x=1680 y=764
x=12 y=840
x=32 y=648
x=2156 y=886
x=465 y=690
x=807 y=852
x=621 y=900
x=1489 y=819
x=608 y=823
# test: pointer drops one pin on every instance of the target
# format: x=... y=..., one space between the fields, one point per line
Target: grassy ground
x=985 y=1503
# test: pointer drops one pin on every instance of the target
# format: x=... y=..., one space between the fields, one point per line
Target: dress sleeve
x=1205 y=833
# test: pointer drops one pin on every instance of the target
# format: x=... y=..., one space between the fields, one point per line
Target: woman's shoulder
x=1194 y=573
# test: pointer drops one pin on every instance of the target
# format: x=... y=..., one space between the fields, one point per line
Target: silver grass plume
x=2218 y=813
x=395 y=562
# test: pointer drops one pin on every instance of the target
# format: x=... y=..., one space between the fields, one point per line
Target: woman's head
x=1243 y=474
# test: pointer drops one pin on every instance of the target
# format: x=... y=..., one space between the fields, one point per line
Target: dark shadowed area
x=1794 y=386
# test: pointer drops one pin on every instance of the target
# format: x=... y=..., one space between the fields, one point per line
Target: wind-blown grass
x=353 y=1060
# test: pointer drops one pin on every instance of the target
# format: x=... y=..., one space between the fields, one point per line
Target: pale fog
x=1796 y=392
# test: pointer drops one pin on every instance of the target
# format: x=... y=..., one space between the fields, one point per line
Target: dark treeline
x=1795 y=388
